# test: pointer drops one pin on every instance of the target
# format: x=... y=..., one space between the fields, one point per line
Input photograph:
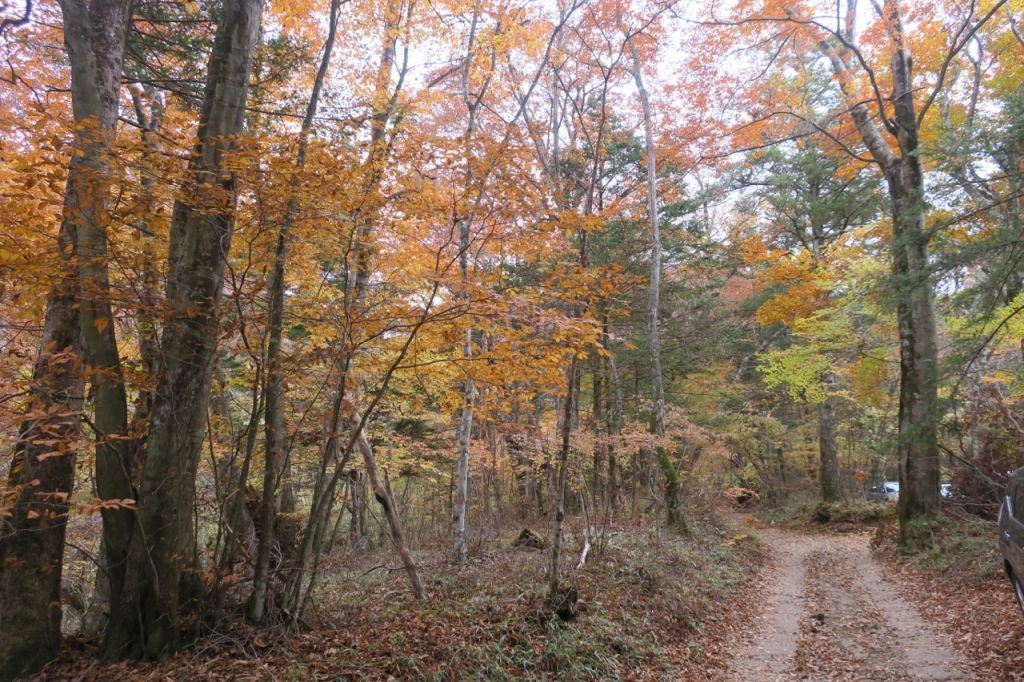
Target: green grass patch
x=961 y=548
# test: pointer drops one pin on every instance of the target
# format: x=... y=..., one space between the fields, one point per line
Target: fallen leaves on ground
x=653 y=606
x=979 y=609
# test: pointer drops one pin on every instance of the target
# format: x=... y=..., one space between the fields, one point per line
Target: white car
x=889 y=491
x=886 y=491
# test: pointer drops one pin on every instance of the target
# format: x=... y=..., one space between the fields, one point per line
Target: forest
x=497 y=339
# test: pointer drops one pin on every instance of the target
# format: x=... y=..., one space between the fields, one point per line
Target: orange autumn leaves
x=796 y=282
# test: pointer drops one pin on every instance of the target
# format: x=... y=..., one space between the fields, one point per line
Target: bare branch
x=20 y=21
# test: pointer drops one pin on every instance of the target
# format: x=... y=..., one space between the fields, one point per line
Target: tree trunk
x=320 y=507
x=239 y=524
x=382 y=491
x=95 y=90
x=614 y=487
x=32 y=539
x=919 y=367
x=600 y=431
x=917 y=449
x=460 y=503
x=275 y=451
x=917 y=446
x=464 y=221
x=674 y=516
x=126 y=456
x=554 y=572
x=43 y=465
x=145 y=623
x=828 y=451
x=149 y=111
x=357 y=524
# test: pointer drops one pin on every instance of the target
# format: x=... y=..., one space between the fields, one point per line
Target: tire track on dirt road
x=829 y=613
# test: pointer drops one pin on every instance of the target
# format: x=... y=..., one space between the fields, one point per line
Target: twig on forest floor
x=389 y=569
x=88 y=669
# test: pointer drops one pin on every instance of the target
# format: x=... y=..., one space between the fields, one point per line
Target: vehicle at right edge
x=1011 y=533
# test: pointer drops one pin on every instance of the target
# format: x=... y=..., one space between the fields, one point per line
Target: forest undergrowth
x=651 y=605
x=806 y=511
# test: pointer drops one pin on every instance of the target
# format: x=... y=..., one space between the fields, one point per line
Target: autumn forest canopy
x=293 y=290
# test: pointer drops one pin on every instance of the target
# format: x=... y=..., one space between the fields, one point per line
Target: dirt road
x=829 y=613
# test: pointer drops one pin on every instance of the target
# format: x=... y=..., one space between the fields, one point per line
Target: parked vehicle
x=1011 y=533
x=884 y=491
